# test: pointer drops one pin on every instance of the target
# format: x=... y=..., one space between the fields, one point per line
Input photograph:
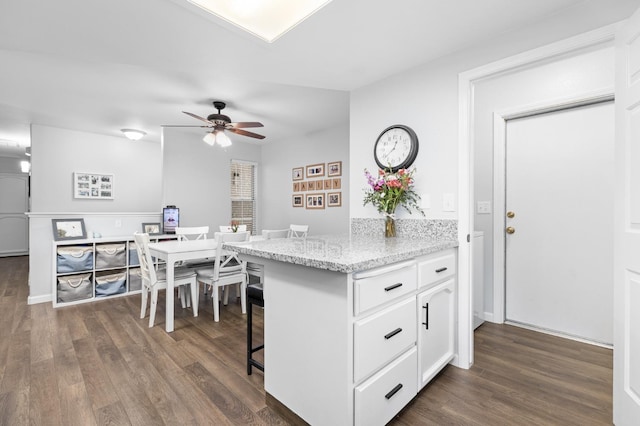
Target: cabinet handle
x=393 y=391
x=441 y=269
x=393 y=333
x=391 y=287
x=426 y=316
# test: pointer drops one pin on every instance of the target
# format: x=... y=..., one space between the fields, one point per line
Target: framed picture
x=336 y=183
x=334 y=169
x=328 y=184
x=315 y=170
x=303 y=186
x=296 y=186
x=151 y=228
x=298 y=200
x=68 y=229
x=334 y=199
x=311 y=185
x=315 y=201
x=297 y=173
x=92 y=186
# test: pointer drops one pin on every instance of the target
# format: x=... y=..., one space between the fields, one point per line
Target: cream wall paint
x=582 y=72
x=278 y=160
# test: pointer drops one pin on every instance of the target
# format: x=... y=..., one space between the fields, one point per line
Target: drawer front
x=382 y=336
x=437 y=268
x=383 y=285
x=383 y=396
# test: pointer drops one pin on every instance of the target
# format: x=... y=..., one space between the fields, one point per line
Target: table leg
x=170 y=294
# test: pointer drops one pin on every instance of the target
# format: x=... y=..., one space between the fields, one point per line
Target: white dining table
x=174 y=251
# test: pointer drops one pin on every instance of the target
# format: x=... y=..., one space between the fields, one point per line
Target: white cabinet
x=90 y=269
x=436 y=316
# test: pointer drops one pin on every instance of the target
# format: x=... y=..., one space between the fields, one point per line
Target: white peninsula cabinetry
x=345 y=341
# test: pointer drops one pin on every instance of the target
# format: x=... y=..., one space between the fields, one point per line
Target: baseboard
x=557 y=334
x=488 y=316
x=33 y=300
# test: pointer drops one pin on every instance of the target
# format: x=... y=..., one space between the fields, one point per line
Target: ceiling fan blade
x=245 y=124
x=181 y=125
x=197 y=117
x=245 y=133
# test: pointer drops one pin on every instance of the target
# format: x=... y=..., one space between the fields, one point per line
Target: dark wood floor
x=100 y=364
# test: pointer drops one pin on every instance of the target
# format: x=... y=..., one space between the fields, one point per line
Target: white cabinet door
x=436 y=310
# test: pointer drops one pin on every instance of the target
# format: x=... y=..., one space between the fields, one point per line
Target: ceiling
x=99 y=66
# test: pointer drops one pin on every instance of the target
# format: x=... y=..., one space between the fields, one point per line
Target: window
x=243 y=194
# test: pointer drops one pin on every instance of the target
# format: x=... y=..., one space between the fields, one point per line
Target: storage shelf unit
x=98 y=265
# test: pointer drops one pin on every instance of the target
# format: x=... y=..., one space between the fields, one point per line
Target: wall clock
x=396 y=148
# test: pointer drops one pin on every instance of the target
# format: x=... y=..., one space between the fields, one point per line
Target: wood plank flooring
x=99 y=364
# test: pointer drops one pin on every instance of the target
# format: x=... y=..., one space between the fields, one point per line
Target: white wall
x=278 y=160
x=196 y=176
x=583 y=72
x=11 y=164
x=58 y=153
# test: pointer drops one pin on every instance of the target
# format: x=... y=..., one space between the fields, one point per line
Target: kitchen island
x=344 y=323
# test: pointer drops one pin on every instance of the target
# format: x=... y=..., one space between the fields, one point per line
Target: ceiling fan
x=219 y=123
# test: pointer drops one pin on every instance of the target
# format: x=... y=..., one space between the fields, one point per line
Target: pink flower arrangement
x=389 y=190
x=234 y=225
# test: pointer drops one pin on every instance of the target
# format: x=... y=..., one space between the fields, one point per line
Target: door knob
x=510 y=230
x=511 y=215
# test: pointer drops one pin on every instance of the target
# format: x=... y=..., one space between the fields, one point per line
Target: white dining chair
x=298 y=231
x=154 y=280
x=186 y=233
x=227 y=269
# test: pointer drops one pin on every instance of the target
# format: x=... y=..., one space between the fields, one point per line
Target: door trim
x=466 y=200
x=499 y=177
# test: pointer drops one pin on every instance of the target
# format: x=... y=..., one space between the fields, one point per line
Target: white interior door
x=14 y=225
x=559 y=186
x=626 y=354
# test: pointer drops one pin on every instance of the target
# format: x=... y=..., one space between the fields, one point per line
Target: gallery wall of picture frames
x=317 y=186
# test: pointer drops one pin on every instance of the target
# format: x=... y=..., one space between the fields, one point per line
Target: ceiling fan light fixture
x=133 y=134
x=222 y=139
x=267 y=20
x=210 y=138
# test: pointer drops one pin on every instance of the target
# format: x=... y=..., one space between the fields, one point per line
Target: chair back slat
x=147 y=269
x=224 y=257
x=192 y=232
x=298 y=231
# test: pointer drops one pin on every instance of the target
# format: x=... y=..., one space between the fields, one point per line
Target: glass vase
x=389 y=227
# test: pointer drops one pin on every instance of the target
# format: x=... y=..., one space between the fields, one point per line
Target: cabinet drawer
x=436 y=268
x=382 y=396
x=378 y=286
x=382 y=336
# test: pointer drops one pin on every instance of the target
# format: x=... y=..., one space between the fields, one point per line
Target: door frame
x=466 y=197
x=500 y=173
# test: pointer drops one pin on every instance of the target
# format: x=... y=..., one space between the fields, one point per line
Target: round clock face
x=396 y=148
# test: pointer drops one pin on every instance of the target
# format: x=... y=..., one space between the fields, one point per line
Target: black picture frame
x=68 y=229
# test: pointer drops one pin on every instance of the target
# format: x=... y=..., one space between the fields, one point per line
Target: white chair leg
x=182 y=295
x=152 y=308
x=215 y=297
x=225 y=294
x=143 y=305
x=194 y=297
x=238 y=288
x=243 y=296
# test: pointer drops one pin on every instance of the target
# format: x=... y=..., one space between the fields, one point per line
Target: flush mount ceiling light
x=266 y=19
x=133 y=134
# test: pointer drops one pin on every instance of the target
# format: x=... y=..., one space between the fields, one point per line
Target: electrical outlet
x=118 y=223
x=448 y=202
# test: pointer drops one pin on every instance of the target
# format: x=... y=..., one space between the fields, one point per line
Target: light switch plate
x=483 y=207
x=448 y=202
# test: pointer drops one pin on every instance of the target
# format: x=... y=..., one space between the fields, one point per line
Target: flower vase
x=389 y=227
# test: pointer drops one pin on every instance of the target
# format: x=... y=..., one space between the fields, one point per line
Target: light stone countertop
x=342 y=253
